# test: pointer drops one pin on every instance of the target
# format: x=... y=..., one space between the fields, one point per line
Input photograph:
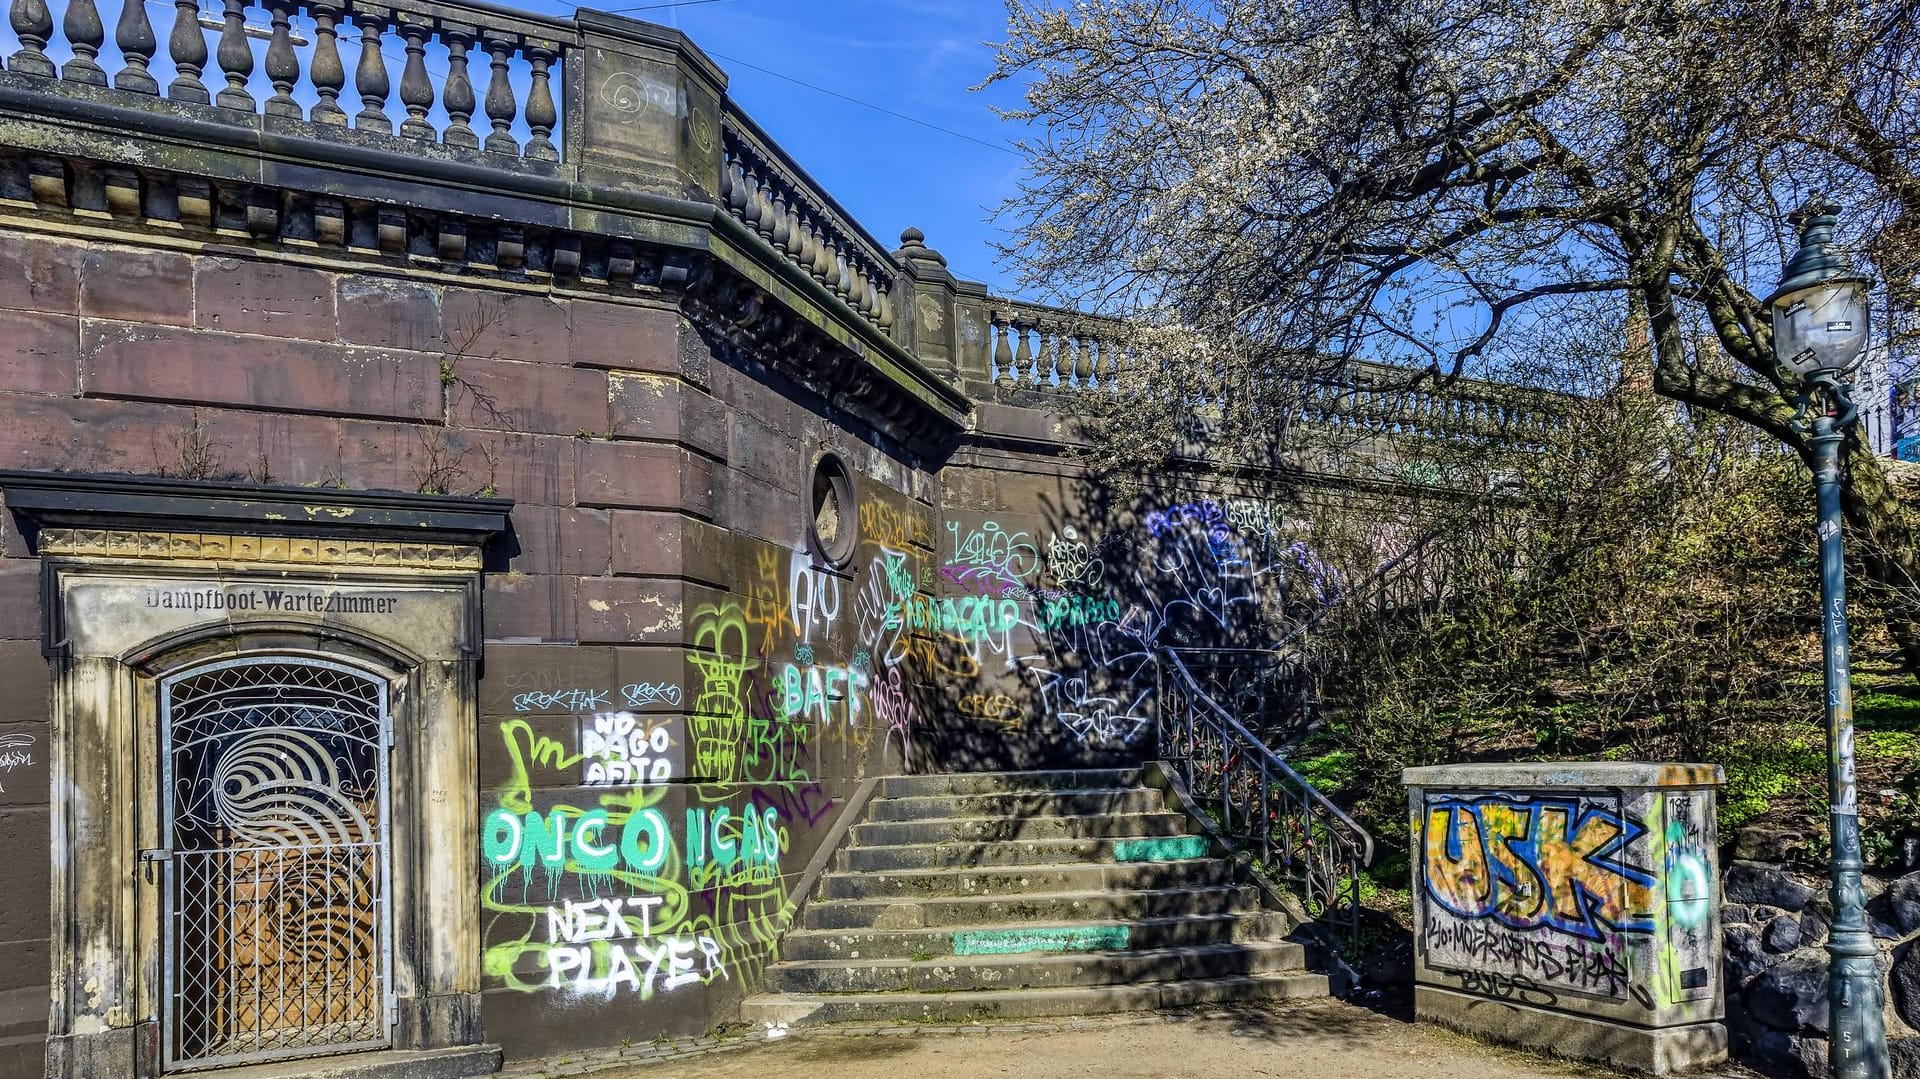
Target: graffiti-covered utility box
x=1570 y=907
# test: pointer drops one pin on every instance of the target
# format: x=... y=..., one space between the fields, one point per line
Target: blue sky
x=916 y=57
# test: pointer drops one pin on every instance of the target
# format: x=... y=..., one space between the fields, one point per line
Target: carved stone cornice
x=301 y=551
x=146 y=517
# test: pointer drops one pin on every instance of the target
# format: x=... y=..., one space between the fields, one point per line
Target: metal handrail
x=1273 y=760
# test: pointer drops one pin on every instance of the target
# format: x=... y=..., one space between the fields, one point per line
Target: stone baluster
x=541 y=115
x=85 y=34
x=799 y=238
x=416 y=90
x=188 y=47
x=326 y=71
x=1057 y=350
x=457 y=98
x=884 y=317
x=1002 y=352
x=1084 y=363
x=1023 y=365
x=235 y=58
x=370 y=77
x=733 y=186
x=32 y=23
x=134 y=35
x=824 y=254
x=283 y=67
x=864 y=300
x=782 y=234
x=843 y=279
x=501 y=107
x=762 y=211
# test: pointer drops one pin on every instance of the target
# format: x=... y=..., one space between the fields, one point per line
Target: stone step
x=970 y=855
x=994 y=829
x=809 y=1009
x=1026 y=971
x=1038 y=907
x=1170 y=932
x=1014 y=880
x=991 y=782
x=1097 y=801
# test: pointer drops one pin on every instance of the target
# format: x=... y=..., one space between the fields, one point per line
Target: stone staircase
x=1020 y=894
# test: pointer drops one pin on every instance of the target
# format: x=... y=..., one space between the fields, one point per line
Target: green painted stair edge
x=1089 y=938
x=1160 y=848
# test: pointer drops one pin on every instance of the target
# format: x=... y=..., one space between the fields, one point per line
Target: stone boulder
x=1781 y=935
x=1903 y=983
x=1756 y=844
x=1899 y=905
x=1750 y=882
x=1742 y=955
x=1791 y=995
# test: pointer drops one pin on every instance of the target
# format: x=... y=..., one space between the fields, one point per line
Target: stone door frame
x=403 y=610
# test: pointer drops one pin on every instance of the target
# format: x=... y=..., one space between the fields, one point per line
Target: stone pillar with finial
x=940 y=319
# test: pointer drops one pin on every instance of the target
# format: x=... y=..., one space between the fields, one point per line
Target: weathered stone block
x=530 y=607
x=42 y=274
x=666 y=409
x=271 y=298
x=670 y=545
x=747 y=504
x=275 y=447
x=766 y=454
x=25 y=886
x=137 y=286
x=389 y=313
x=642 y=475
x=630 y=337
x=555 y=539
x=505 y=326
x=65 y=434
x=534 y=398
x=20 y=599
x=523 y=467
x=39 y=353
x=632 y=610
x=539 y=669
x=165 y=364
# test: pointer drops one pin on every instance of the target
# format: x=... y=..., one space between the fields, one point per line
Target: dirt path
x=1303 y=1040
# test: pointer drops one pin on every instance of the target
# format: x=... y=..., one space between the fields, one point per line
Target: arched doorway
x=275 y=828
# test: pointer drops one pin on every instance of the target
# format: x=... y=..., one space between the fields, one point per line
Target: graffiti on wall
x=1525 y=896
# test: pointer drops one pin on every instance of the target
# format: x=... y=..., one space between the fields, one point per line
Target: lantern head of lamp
x=1819 y=312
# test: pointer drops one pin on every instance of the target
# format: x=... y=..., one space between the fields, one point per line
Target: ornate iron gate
x=276 y=931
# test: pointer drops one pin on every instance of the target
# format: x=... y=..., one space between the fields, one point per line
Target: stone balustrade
x=1049 y=349
x=1034 y=346
x=763 y=189
x=305 y=70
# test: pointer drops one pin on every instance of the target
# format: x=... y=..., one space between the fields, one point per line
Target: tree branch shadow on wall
x=1103 y=578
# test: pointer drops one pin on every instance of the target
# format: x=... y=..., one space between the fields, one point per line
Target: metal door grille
x=276 y=932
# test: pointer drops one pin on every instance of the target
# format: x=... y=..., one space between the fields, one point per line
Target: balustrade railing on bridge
x=1063 y=352
x=300 y=75
x=763 y=188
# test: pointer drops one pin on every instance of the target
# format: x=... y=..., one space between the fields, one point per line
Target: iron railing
x=1259 y=802
x=1226 y=754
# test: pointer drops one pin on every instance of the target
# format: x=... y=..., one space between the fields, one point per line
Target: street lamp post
x=1819 y=319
